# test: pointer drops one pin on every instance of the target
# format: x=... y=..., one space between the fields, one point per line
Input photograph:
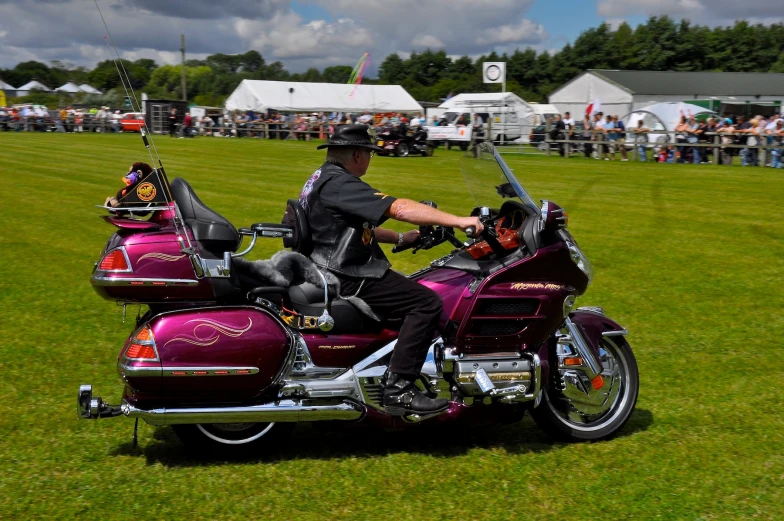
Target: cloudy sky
x=319 y=33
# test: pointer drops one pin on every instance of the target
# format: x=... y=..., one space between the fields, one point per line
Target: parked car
x=132 y=122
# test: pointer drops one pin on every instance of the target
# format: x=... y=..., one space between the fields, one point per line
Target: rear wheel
x=573 y=415
x=233 y=437
x=401 y=150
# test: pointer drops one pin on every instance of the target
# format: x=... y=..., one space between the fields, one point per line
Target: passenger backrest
x=295 y=216
x=213 y=232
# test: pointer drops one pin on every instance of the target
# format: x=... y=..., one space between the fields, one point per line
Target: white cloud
x=702 y=12
x=427 y=41
x=525 y=31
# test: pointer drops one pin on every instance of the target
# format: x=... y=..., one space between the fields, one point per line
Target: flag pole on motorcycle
x=495 y=72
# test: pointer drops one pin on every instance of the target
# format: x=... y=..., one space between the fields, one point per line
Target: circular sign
x=146 y=192
x=493 y=72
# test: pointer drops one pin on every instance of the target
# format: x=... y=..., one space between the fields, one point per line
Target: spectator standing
x=587 y=135
x=598 y=135
x=692 y=137
x=116 y=118
x=740 y=131
x=187 y=123
x=621 y=137
x=172 y=122
x=752 y=142
x=681 y=133
x=477 y=131
x=777 y=139
x=62 y=120
x=640 y=138
x=709 y=135
x=557 y=132
x=612 y=137
x=78 y=120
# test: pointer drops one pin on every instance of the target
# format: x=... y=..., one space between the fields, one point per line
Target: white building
x=621 y=92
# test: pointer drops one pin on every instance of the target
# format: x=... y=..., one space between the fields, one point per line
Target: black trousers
x=394 y=296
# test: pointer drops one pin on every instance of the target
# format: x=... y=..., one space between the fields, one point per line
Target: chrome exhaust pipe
x=282 y=411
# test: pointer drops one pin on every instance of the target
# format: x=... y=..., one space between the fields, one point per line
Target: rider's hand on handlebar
x=471 y=222
x=410 y=237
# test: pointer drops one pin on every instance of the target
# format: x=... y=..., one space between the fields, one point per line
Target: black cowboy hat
x=350 y=136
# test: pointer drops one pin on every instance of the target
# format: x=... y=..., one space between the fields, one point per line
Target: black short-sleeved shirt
x=348 y=195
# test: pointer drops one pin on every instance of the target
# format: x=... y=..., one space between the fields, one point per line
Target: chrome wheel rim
x=617 y=387
x=234 y=433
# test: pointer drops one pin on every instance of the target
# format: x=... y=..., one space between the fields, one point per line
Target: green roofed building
x=621 y=92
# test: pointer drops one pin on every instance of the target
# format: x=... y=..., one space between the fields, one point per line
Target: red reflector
x=137 y=283
x=113 y=261
x=221 y=372
x=140 y=351
x=598 y=382
x=243 y=371
x=158 y=283
x=179 y=373
x=200 y=372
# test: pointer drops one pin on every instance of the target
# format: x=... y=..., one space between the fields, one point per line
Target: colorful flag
x=593 y=108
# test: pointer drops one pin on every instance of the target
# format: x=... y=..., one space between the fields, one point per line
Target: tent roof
x=5 y=86
x=259 y=95
x=34 y=85
x=478 y=98
x=668 y=113
x=673 y=83
x=89 y=89
x=68 y=87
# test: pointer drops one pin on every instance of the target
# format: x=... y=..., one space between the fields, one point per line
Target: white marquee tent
x=69 y=87
x=291 y=96
x=89 y=89
x=662 y=116
x=27 y=87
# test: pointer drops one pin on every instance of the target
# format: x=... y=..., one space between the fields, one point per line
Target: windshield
x=490 y=180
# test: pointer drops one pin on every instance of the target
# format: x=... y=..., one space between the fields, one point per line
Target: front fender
x=594 y=324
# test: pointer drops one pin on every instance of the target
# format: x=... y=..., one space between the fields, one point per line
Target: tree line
x=660 y=44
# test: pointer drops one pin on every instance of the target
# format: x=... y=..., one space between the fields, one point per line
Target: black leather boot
x=401 y=397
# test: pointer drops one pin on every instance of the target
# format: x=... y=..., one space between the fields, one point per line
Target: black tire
x=233 y=437
x=463 y=146
x=401 y=150
x=552 y=414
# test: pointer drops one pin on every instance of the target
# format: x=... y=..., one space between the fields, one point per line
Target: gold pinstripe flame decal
x=161 y=256
x=213 y=327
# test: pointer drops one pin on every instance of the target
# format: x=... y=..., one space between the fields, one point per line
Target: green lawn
x=688 y=258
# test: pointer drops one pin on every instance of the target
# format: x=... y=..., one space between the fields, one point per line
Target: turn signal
x=573 y=361
x=142 y=345
x=141 y=351
x=597 y=382
x=114 y=261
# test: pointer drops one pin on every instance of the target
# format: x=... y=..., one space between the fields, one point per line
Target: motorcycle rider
x=344 y=214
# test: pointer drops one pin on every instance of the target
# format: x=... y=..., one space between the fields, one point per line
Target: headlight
x=579 y=258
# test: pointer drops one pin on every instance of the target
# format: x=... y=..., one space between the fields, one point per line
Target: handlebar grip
x=398 y=249
x=470 y=232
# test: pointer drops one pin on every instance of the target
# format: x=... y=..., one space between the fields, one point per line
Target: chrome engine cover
x=503 y=373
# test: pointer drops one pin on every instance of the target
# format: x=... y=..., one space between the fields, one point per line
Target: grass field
x=688 y=258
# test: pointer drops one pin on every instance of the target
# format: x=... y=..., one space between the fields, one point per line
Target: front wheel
x=233 y=437
x=570 y=413
x=401 y=150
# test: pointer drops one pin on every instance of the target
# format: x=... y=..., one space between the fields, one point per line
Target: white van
x=511 y=118
x=543 y=112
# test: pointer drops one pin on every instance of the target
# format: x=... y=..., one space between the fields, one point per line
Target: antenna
x=144 y=130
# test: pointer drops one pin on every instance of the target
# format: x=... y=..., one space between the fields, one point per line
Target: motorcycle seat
x=308 y=299
x=214 y=233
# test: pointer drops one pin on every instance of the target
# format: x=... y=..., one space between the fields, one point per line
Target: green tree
x=392 y=70
x=337 y=74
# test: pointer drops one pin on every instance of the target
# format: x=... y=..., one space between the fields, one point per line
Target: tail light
x=115 y=261
x=142 y=346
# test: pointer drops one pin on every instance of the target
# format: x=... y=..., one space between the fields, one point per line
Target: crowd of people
x=278 y=125
x=694 y=140
x=36 y=118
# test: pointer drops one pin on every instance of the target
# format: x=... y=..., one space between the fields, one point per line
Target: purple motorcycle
x=231 y=361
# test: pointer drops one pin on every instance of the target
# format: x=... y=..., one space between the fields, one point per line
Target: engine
x=510 y=377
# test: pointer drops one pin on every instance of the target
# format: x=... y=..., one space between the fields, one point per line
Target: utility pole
x=184 y=86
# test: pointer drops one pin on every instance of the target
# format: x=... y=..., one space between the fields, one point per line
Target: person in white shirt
x=598 y=135
x=415 y=121
x=365 y=118
x=116 y=118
